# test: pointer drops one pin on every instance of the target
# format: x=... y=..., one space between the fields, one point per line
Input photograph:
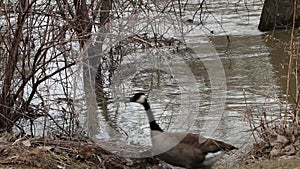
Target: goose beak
x=131 y=99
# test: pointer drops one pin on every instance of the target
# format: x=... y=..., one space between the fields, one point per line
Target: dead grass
x=62 y=154
x=281 y=141
x=293 y=163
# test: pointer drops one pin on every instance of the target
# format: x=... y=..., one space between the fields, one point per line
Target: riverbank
x=64 y=153
x=293 y=163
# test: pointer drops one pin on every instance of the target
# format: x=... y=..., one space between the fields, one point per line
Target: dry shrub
x=274 y=138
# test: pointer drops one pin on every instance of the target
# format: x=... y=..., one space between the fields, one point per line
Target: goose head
x=139 y=98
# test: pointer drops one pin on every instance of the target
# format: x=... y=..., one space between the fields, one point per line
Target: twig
x=250 y=118
x=290 y=61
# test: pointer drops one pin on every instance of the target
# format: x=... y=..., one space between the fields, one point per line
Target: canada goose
x=182 y=149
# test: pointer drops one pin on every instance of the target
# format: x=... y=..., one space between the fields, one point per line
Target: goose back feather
x=187 y=150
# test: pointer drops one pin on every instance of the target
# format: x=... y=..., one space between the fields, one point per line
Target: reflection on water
x=233 y=17
x=253 y=69
x=249 y=74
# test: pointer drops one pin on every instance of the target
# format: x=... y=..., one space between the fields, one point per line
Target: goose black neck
x=152 y=122
x=146 y=106
x=155 y=126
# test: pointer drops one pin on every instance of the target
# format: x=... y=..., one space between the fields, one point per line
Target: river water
x=254 y=65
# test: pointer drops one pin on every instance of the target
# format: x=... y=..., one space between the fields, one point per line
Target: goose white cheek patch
x=141 y=99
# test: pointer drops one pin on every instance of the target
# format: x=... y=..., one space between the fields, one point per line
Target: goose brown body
x=187 y=150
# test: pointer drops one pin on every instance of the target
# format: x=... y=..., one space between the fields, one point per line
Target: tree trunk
x=278 y=14
x=93 y=77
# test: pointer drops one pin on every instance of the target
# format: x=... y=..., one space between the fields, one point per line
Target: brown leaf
x=45 y=148
x=36 y=151
x=86 y=152
x=274 y=152
x=37 y=163
x=26 y=143
x=290 y=150
x=282 y=139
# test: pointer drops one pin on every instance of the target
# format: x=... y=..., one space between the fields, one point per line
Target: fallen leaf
x=45 y=148
x=282 y=139
x=290 y=150
x=37 y=163
x=26 y=143
x=36 y=151
x=274 y=153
